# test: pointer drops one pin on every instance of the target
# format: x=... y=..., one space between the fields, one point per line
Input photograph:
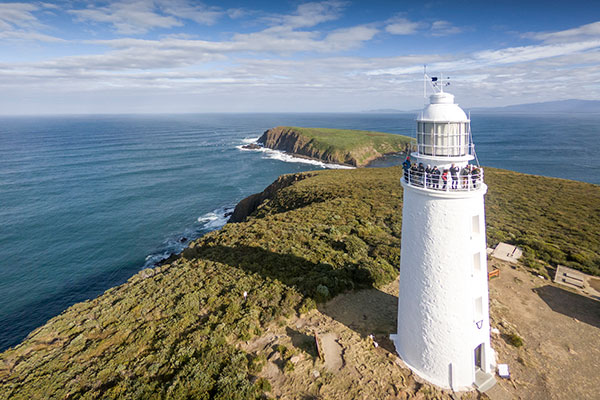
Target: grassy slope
x=173 y=330
x=349 y=139
x=556 y=221
x=354 y=141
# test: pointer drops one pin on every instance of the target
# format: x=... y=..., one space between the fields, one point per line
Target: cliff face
x=293 y=141
x=248 y=205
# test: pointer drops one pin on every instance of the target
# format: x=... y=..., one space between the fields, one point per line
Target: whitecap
x=250 y=140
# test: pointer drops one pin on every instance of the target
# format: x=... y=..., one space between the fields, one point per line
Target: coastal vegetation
x=175 y=331
x=341 y=146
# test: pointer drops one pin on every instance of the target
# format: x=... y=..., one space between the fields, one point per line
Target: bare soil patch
x=559 y=358
x=560 y=330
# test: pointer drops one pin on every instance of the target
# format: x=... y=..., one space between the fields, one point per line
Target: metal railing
x=448 y=183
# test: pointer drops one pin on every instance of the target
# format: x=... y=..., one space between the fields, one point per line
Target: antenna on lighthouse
x=425 y=83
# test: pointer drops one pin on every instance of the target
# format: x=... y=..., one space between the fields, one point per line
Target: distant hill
x=548 y=107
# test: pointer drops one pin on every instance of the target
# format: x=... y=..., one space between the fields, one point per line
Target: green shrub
x=263 y=385
x=307 y=305
x=515 y=340
x=322 y=293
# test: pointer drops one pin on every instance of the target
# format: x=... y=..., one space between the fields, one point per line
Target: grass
x=350 y=139
x=555 y=221
x=343 y=146
x=172 y=332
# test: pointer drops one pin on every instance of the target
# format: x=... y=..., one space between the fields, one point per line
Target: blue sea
x=88 y=201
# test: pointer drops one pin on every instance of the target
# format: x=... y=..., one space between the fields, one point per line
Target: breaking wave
x=208 y=222
x=286 y=157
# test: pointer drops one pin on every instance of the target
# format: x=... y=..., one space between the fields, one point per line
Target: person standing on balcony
x=435 y=177
x=421 y=172
x=413 y=174
x=475 y=175
x=464 y=176
x=428 y=171
x=406 y=167
x=445 y=179
x=454 y=174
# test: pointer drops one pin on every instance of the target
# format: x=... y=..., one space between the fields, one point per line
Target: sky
x=184 y=56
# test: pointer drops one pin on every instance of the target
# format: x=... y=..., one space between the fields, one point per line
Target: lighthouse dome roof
x=442 y=108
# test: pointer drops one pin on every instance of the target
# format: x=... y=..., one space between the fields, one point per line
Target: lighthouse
x=443 y=305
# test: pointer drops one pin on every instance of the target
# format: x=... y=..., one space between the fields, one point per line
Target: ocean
x=88 y=201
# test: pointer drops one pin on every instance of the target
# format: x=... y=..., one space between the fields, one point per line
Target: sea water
x=87 y=201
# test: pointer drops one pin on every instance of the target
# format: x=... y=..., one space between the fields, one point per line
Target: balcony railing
x=449 y=183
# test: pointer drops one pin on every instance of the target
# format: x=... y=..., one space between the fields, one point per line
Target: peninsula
x=239 y=313
x=337 y=146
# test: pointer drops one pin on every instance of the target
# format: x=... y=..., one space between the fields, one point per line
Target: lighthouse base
x=432 y=380
x=483 y=380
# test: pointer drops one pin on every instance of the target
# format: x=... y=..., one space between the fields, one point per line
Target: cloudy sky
x=139 y=56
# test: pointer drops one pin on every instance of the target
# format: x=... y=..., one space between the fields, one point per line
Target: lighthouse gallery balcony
x=462 y=183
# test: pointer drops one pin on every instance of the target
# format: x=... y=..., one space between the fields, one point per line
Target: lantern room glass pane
x=443 y=138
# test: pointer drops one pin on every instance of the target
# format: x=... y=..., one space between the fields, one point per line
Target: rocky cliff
x=349 y=147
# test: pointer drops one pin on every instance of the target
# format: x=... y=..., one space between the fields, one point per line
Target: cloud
x=257 y=70
x=29 y=36
x=583 y=32
x=141 y=16
x=128 y=17
x=18 y=15
x=535 y=52
x=444 y=28
x=196 y=12
x=309 y=14
x=402 y=26
x=18 y=22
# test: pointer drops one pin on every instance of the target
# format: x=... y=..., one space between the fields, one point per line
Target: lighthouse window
x=443 y=138
x=478 y=307
x=477 y=262
x=475 y=224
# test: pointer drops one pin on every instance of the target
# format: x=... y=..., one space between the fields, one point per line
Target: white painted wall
x=439 y=285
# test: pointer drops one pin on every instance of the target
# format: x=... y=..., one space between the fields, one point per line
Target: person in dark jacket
x=428 y=171
x=454 y=174
x=476 y=176
x=421 y=173
x=406 y=167
x=464 y=176
x=435 y=177
x=413 y=174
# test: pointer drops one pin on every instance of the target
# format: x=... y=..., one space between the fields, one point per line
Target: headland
x=187 y=328
x=336 y=146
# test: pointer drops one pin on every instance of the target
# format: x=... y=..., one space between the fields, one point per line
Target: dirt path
x=559 y=358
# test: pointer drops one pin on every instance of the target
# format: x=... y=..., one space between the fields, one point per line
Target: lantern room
x=443 y=129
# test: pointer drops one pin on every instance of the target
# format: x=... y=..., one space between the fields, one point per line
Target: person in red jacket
x=444 y=179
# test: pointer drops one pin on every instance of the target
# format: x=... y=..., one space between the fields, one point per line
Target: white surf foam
x=285 y=157
x=247 y=141
x=215 y=219
x=176 y=244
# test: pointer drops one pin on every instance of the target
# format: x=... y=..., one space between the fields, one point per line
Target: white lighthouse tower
x=443 y=306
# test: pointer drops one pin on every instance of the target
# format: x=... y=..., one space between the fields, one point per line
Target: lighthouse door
x=478 y=356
